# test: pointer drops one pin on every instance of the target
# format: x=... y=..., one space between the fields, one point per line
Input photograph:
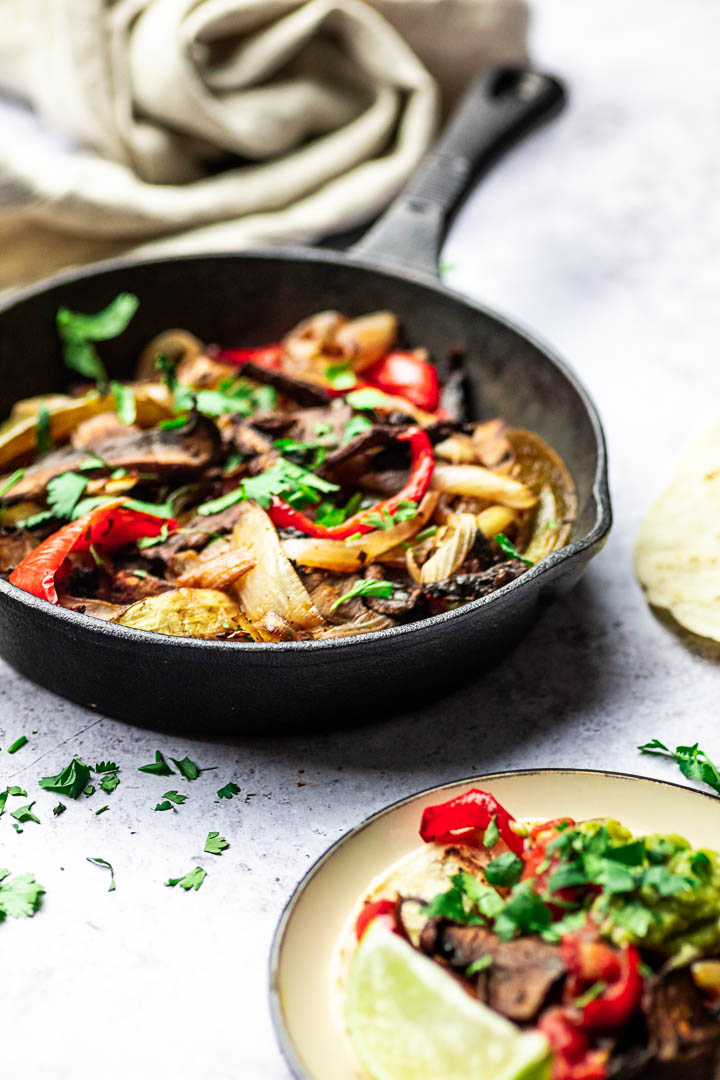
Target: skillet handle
x=496 y=112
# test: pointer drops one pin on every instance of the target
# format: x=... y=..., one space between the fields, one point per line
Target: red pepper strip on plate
x=408 y=376
x=267 y=356
x=593 y=961
x=106 y=528
x=572 y=1057
x=458 y=820
x=421 y=470
x=378 y=909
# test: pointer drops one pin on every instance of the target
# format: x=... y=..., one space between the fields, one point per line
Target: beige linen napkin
x=200 y=124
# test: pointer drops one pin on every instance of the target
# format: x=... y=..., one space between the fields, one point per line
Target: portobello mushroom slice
x=162 y=451
x=683 y=1035
x=304 y=392
x=463 y=587
x=405 y=597
x=14 y=546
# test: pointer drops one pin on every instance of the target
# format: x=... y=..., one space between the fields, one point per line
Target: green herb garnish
x=72 y=781
x=124 y=402
x=159 y=767
x=187 y=768
x=193 y=880
x=478 y=965
x=106 y=866
x=43 y=432
x=692 y=762
x=366 y=588
x=492 y=834
x=24 y=814
x=150 y=541
x=228 y=791
x=356 y=426
x=10 y=481
x=590 y=994
x=19 y=896
x=340 y=376
x=505 y=870
x=64 y=492
x=170 y=800
x=109 y=782
x=366 y=398
x=18 y=744
x=59 y=809
x=78 y=332
x=101 y=810
x=215 y=844
x=505 y=544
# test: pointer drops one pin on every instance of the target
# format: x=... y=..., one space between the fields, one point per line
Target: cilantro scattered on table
x=24 y=814
x=215 y=844
x=89 y=790
x=692 y=762
x=18 y=744
x=19 y=896
x=170 y=800
x=192 y=880
x=159 y=767
x=101 y=810
x=505 y=544
x=228 y=791
x=109 y=782
x=72 y=781
x=106 y=866
x=59 y=809
x=13 y=790
x=106 y=766
x=187 y=768
x=366 y=587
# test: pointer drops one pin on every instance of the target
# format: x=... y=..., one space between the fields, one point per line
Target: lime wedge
x=409 y=1019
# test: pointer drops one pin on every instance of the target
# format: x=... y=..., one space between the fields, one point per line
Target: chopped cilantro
x=43 y=431
x=222 y=502
x=492 y=834
x=506 y=545
x=64 y=492
x=228 y=791
x=159 y=767
x=59 y=809
x=106 y=766
x=340 y=376
x=89 y=790
x=124 y=402
x=321 y=428
x=18 y=744
x=283 y=478
x=366 y=398
x=215 y=844
x=24 y=814
x=469 y=901
x=10 y=481
x=356 y=426
x=187 y=768
x=692 y=762
x=193 y=880
x=170 y=798
x=524 y=911
x=109 y=782
x=101 y=810
x=425 y=534
x=478 y=965
x=34 y=519
x=590 y=994
x=366 y=587
x=72 y=781
x=173 y=422
x=505 y=870
x=106 y=866
x=17 y=828
x=150 y=541
x=701 y=866
x=78 y=331
x=19 y=896
x=166 y=366
x=10 y=791
x=328 y=514
x=406 y=510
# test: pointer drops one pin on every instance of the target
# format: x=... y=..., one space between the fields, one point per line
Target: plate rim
x=282 y=1035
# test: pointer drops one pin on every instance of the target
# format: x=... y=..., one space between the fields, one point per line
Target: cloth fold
x=196 y=124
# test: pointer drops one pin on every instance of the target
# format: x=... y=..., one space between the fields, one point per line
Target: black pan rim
x=115 y=634
x=282 y=1035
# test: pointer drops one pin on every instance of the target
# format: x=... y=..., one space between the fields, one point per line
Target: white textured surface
x=603 y=235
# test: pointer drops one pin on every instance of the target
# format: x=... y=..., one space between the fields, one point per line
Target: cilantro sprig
x=20 y=896
x=192 y=880
x=506 y=545
x=366 y=587
x=78 y=333
x=692 y=762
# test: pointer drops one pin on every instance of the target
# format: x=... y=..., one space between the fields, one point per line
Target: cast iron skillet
x=254 y=297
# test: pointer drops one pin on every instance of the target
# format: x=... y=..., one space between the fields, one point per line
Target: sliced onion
x=345 y=556
x=272 y=587
x=483 y=484
x=451 y=553
x=367 y=623
x=366 y=339
x=178 y=345
x=217 y=572
x=494 y=520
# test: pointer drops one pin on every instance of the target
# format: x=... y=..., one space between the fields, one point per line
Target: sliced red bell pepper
x=376 y=909
x=539 y=865
x=572 y=1057
x=421 y=470
x=407 y=375
x=267 y=356
x=590 y=961
x=106 y=528
x=458 y=820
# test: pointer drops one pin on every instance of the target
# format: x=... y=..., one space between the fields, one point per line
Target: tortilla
x=677 y=555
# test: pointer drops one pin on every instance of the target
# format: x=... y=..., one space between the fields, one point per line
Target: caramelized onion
x=483 y=484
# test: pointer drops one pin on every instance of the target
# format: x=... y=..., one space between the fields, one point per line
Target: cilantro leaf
x=24 y=814
x=215 y=844
x=356 y=426
x=124 y=402
x=106 y=766
x=59 y=809
x=366 y=398
x=228 y=791
x=187 y=768
x=72 y=781
x=43 y=431
x=701 y=866
x=506 y=545
x=478 y=965
x=10 y=481
x=64 y=492
x=192 y=880
x=222 y=502
x=692 y=762
x=100 y=326
x=340 y=376
x=492 y=834
x=101 y=810
x=106 y=866
x=150 y=541
x=169 y=799
x=109 y=782
x=366 y=587
x=18 y=744
x=159 y=767
x=524 y=911
x=19 y=896
x=505 y=870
